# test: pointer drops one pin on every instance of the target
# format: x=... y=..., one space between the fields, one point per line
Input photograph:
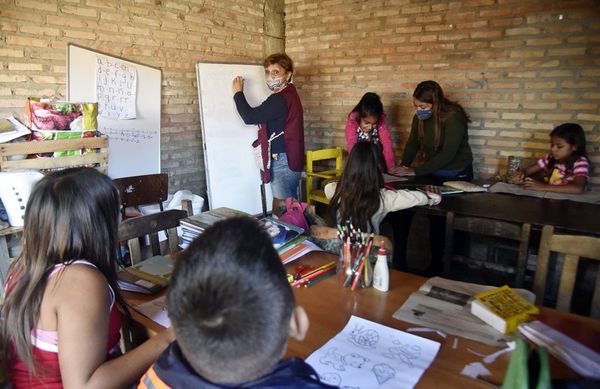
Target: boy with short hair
x=232 y=310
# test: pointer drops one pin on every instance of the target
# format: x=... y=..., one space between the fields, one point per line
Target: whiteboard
x=232 y=177
x=133 y=144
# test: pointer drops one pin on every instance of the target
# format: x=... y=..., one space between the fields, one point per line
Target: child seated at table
x=565 y=169
x=232 y=310
x=360 y=197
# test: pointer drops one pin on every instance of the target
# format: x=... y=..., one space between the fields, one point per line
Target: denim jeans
x=284 y=181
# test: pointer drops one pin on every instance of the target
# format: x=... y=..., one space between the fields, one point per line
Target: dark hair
x=431 y=92
x=369 y=105
x=282 y=59
x=230 y=302
x=71 y=214
x=574 y=135
x=357 y=196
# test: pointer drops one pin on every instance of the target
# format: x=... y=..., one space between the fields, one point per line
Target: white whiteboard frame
x=232 y=177
x=134 y=147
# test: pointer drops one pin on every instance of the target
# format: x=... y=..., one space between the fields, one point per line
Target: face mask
x=424 y=114
x=275 y=83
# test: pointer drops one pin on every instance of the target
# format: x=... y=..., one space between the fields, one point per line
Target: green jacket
x=454 y=151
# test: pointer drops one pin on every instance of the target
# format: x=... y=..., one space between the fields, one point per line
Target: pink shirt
x=384 y=137
x=559 y=175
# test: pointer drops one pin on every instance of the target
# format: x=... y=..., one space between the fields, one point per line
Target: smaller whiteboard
x=133 y=144
x=232 y=177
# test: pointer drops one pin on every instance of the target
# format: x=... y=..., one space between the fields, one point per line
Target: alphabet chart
x=116 y=84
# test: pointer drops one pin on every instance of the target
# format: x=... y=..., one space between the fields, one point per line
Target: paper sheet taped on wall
x=116 y=84
x=370 y=355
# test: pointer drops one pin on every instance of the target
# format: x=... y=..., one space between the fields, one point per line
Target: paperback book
x=149 y=276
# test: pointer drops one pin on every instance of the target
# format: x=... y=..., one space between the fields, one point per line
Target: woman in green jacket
x=438 y=136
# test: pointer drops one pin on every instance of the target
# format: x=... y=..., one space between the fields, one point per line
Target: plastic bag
x=294 y=213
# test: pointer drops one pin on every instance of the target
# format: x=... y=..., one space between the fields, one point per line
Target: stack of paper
x=577 y=356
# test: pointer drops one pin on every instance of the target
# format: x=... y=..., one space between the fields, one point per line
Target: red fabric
x=294 y=129
x=263 y=140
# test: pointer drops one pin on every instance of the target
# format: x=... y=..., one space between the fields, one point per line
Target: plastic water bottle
x=381 y=274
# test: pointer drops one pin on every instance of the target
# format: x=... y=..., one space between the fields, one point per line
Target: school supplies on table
x=354 y=256
x=156 y=310
x=446 y=306
x=577 y=356
x=148 y=276
x=370 y=355
x=295 y=251
x=193 y=226
x=465 y=186
x=308 y=275
x=283 y=234
x=502 y=308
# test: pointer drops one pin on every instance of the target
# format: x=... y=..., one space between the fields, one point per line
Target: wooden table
x=329 y=307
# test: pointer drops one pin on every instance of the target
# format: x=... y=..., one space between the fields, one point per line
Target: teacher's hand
x=238 y=84
x=403 y=171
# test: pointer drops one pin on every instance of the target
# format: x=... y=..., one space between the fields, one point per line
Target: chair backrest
x=141 y=190
x=131 y=230
x=489 y=227
x=573 y=247
x=321 y=155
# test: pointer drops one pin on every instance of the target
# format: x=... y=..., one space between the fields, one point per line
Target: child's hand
x=530 y=183
x=403 y=171
x=434 y=198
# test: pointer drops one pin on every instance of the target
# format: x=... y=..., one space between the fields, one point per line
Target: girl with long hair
x=62 y=308
x=360 y=197
x=438 y=136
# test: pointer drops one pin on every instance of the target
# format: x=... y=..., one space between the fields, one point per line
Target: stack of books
x=193 y=226
x=287 y=239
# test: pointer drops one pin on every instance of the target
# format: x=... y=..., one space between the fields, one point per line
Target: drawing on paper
x=339 y=361
x=116 y=84
x=405 y=353
x=389 y=357
x=331 y=378
x=366 y=338
x=383 y=372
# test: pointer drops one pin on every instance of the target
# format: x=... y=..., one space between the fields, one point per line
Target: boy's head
x=230 y=303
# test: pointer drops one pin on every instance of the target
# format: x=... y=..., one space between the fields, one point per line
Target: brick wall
x=519 y=68
x=169 y=34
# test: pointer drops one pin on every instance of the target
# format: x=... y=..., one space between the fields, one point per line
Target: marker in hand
x=238 y=84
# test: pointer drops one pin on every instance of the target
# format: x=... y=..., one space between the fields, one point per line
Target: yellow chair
x=316 y=179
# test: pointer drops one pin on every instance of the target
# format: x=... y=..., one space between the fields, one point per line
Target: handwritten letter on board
x=116 y=84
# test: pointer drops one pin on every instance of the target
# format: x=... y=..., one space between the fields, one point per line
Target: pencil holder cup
x=354 y=268
x=513 y=164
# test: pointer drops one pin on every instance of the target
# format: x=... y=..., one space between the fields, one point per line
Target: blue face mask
x=424 y=114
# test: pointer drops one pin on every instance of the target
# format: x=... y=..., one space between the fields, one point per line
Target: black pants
x=400 y=222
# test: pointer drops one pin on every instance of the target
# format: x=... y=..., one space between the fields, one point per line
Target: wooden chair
x=142 y=190
x=573 y=247
x=315 y=179
x=488 y=227
x=131 y=230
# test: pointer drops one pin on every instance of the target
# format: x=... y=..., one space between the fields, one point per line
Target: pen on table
x=319 y=279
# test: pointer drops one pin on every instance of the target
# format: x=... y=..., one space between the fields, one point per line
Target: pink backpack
x=294 y=213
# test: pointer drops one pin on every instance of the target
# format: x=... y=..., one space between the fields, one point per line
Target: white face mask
x=275 y=83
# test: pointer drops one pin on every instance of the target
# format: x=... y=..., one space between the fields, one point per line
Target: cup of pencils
x=354 y=266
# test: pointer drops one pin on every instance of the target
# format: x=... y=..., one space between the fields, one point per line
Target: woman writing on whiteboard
x=281 y=128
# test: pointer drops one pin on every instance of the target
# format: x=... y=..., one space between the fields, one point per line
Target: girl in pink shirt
x=565 y=169
x=366 y=122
